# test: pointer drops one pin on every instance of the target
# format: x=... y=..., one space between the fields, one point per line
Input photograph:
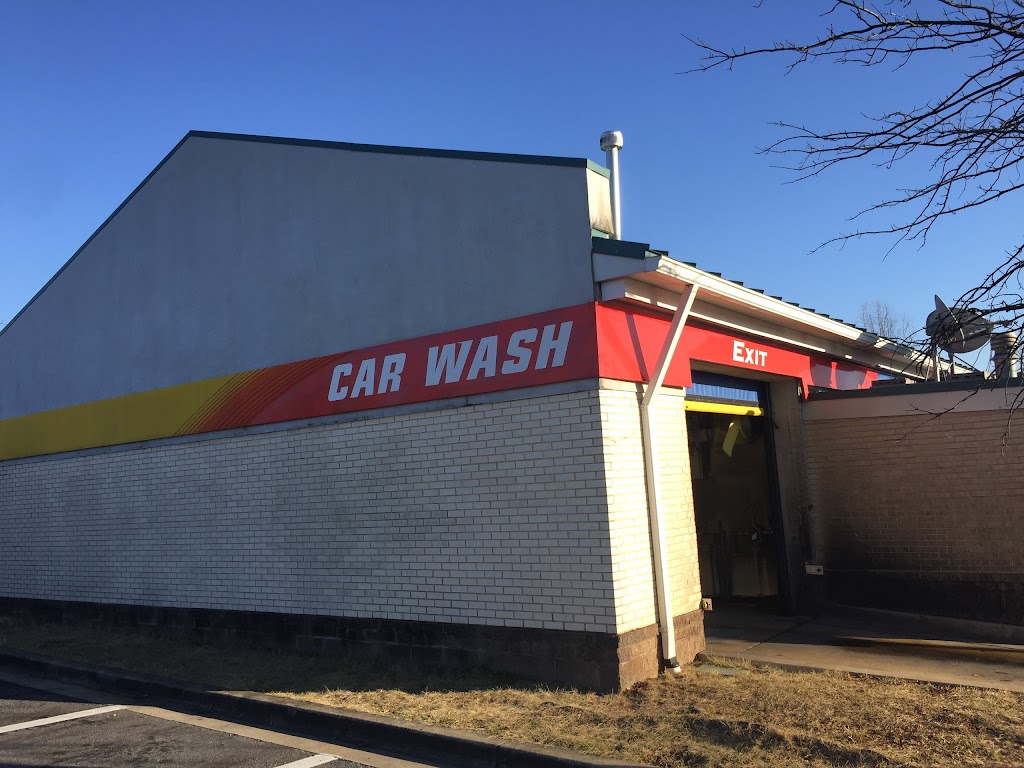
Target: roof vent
x=1004 y=355
x=611 y=143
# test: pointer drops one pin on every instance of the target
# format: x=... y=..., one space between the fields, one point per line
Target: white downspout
x=662 y=588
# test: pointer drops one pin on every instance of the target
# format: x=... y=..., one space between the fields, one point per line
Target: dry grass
x=763 y=718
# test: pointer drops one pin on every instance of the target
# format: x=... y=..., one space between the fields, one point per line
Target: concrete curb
x=372 y=733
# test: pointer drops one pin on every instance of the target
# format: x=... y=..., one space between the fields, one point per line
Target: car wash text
x=526 y=349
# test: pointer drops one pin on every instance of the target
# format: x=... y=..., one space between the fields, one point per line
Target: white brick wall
x=676 y=489
x=627 y=509
x=529 y=513
x=627 y=504
x=485 y=514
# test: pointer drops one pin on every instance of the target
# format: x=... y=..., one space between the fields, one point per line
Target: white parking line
x=94 y=696
x=309 y=762
x=62 y=718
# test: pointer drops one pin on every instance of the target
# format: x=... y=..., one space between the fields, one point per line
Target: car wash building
x=410 y=404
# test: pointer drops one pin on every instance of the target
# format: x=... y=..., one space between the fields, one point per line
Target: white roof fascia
x=670 y=275
x=648 y=295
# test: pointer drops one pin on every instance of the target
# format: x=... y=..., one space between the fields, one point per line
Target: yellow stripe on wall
x=727 y=408
x=127 y=419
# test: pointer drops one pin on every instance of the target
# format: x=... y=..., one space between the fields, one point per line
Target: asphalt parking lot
x=45 y=727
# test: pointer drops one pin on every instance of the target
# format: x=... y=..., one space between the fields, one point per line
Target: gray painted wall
x=238 y=255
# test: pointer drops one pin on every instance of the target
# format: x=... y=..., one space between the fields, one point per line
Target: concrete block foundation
x=586 y=660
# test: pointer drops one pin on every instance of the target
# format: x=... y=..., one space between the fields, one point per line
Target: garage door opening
x=735 y=499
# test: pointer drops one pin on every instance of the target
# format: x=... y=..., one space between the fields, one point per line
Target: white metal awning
x=657 y=280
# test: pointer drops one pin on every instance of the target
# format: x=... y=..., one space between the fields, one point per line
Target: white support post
x=662 y=587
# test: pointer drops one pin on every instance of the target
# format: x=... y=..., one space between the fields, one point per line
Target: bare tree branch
x=971 y=136
x=885 y=321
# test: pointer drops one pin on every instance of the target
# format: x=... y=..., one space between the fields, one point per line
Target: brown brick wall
x=639 y=650
x=920 y=513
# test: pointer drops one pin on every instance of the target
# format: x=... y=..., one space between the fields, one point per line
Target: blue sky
x=94 y=94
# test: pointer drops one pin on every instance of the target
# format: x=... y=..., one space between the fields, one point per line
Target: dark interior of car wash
x=734 y=494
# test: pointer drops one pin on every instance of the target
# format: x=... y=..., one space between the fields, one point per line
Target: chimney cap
x=611 y=140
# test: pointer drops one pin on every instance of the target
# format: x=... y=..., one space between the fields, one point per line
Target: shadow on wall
x=240 y=665
x=979 y=596
x=855 y=575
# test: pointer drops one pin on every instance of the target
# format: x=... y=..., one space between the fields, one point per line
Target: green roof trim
x=454 y=154
x=625 y=248
x=598 y=168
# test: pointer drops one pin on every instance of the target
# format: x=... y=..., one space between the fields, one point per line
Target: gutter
x=662 y=585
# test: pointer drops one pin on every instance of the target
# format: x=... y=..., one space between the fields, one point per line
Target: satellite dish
x=957 y=330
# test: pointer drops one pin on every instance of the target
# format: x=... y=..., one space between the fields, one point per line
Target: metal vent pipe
x=611 y=143
x=1004 y=355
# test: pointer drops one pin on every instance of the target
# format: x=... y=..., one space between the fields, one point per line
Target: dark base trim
x=586 y=660
x=984 y=597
